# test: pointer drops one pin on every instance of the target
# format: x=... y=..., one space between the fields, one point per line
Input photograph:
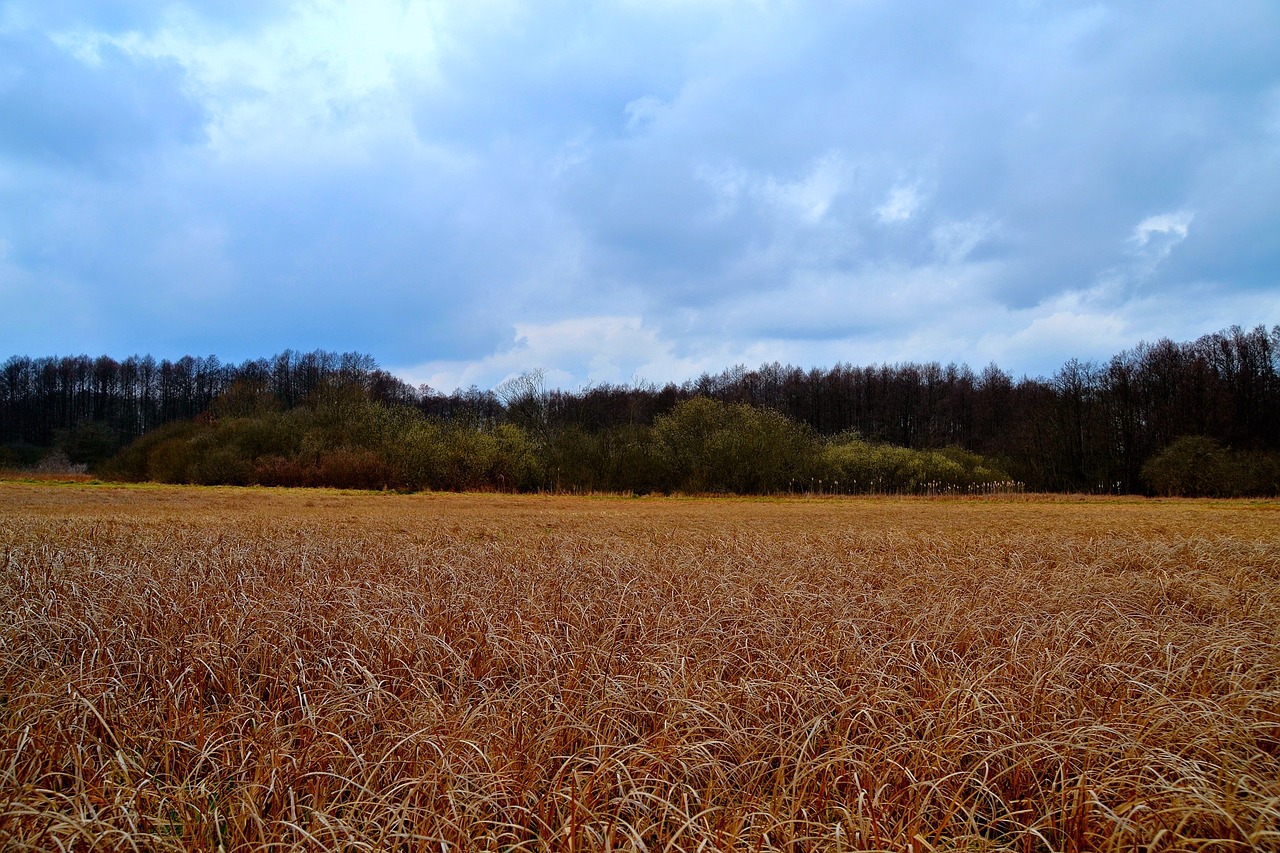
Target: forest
x=1164 y=418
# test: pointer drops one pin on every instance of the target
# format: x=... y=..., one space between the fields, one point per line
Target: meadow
x=254 y=669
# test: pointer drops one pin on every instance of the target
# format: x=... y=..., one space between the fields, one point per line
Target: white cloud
x=1092 y=325
x=901 y=205
x=85 y=46
x=1150 y=243
x=811 y=197
x=325 y=77
x=727 y=184
x=1051 y=335
x=953 y=241
x=1161 y=233
x=571 y=351
x=804 y=200
x=644 y=111
x=840 y=305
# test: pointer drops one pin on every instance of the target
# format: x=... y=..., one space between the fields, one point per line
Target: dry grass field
x=250 y=669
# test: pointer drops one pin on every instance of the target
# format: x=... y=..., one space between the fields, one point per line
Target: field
x=257 y=669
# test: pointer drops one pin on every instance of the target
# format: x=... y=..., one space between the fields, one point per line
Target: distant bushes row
x=341 y=438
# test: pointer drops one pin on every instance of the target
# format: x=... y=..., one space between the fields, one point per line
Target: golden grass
x=251 y=669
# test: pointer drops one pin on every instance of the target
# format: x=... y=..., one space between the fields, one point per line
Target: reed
x=229 y=669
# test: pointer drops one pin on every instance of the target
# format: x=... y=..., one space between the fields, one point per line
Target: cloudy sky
x=635 y=189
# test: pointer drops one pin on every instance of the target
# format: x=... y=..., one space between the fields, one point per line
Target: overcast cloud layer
x=621 y=190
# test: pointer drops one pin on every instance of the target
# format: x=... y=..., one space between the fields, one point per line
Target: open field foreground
x=252 y=669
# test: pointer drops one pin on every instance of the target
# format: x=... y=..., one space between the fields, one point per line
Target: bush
x=88 y=443
x=1260 y=473
x=279 y=471
x=352 y=469
x=219 y=465
x=516 y=465
x=704 y=445
x=1192 y=466
x=416 y=456
x=21 y=455
x=852 y=465
x=161 y=455
x=1198 y=466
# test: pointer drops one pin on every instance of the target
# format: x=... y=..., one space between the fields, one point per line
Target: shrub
x=161 y=455
x=1198 y=466
x=1193 y=465
x=704 y=445
x=850 y=464
x=279 y=471
x=416 y=456
x=353 y=469
x=515 y=462
x=21 y=455
x=88 y=443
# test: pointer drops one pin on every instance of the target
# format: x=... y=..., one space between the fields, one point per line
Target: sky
x=636 y=190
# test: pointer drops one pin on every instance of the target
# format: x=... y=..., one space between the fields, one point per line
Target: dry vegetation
x=205 y=669
x=8 y=474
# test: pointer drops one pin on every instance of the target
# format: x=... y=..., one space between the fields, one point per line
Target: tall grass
x=248 y=670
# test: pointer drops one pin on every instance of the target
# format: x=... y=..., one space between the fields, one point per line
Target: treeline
x=89 y=408
x=1198 y=417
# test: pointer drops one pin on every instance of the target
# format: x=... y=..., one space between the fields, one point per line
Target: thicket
x=1199 y=466
x=342 y=438
x=1123 y=426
